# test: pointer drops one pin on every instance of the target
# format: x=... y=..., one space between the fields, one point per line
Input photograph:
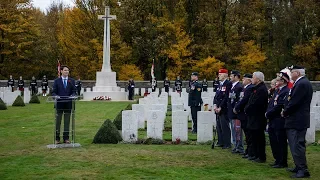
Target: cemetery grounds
x=25 y=132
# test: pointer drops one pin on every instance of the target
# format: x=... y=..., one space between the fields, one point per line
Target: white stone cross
x=106 y=67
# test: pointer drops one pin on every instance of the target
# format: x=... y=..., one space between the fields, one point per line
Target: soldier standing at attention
x=131 y=89
x=166 y=85
x=33 y=86
x=21 y=84
x=154 y=85
x=11 y=83
x=195 y=100
x=215 y=84
x=205 y=85
x=44 y=85
x=78 y=86
x=178 y=85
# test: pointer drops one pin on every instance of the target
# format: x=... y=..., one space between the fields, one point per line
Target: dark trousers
x=67 y=114
x=279 y=145
x=166 y=89
x=249 y=150
x=130 y=94
x=194 y=112
x=79 y=91
x=223 y=129
x=259 y=144
x=297 y=144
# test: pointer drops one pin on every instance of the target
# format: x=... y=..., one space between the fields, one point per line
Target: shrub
x=34 y=100
x=118 y=121
x=18 y=102
x=107 y=134
x=3 y=106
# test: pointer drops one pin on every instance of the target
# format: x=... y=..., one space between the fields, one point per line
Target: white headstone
x=316 y=110
x=26 y=96
x=81 y=91
x=177 y=107
x=10 y=97
x=88 y=89
x=136 y=91
x=129 y=125
x=205 y=126
x=149 y=90
x=179 y=125
x=1 y=95
x=39 y=90
x=311 y=132
x=155 y=124
x=141 y=115
x=159 y=107
x=143 y=90
x=184 y=89
x=170 y=91
x=123 y=90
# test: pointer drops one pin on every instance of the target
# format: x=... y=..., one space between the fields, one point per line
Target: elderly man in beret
x=221 y=109
x=277 y=133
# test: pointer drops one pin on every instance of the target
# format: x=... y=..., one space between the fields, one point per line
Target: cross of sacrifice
x=106 y=67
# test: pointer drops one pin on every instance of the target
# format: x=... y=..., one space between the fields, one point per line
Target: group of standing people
x=33 y=85
x=248 y=108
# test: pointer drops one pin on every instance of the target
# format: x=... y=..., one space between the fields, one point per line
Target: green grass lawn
x=25 y=132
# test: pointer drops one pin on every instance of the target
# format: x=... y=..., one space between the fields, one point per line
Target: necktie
x=65 y=83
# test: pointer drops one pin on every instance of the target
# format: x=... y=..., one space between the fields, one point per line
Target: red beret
x=223 y=71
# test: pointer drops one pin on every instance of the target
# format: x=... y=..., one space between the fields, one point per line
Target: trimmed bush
x=107 y=134
x=3 y=106
x=118 y=121
x=18 y=102
x=129 y=107
x=34 y=100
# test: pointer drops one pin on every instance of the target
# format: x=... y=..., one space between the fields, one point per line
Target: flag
x=58 y=66
x=152 y=69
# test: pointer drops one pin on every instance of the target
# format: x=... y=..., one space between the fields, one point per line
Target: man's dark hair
x=64 y=66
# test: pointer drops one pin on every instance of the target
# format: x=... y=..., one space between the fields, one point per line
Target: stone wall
x=139 y=84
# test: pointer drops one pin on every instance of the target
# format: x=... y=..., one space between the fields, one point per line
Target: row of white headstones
x=153 y=108
x=9 y=97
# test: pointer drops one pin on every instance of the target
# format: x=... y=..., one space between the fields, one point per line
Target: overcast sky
x=44 y=4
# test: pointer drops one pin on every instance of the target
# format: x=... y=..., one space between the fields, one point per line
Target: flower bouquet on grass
x=102 y=98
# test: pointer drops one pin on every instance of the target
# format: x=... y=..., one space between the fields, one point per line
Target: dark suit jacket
x=59 y=90
x=234 y=96
x=256 y=107
x=239 y=107
x=221 y=97
x=275 y=107
x=297 y=108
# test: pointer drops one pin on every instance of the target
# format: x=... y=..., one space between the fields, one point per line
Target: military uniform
x=33 y=85
x=44 y=86
x=78 y=86
x=195 y=101
x=131 y=86
x=277 y=133
x=21 y=85
x=215 y=85
x=154 y=85
x=178 y=85
x=166 y=85
x=205 y=86
x=11 y=84
x=297 y=121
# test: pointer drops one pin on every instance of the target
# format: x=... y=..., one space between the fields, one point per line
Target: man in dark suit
x=297 y=119
x=234 y=96
x=166 y=83
x=195 y=101
x=277 y=133
x=205 y=85
x=221 y=109
x=239 y=110
x=131 y=86
x=255 y=110
x=63 y=89
x=10 y=83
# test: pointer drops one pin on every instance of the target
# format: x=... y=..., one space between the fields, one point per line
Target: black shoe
x=279 y=166
x=301 y=174
x=258 y=160
x=245 y=156
x=250 y=158
x=293 y=170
